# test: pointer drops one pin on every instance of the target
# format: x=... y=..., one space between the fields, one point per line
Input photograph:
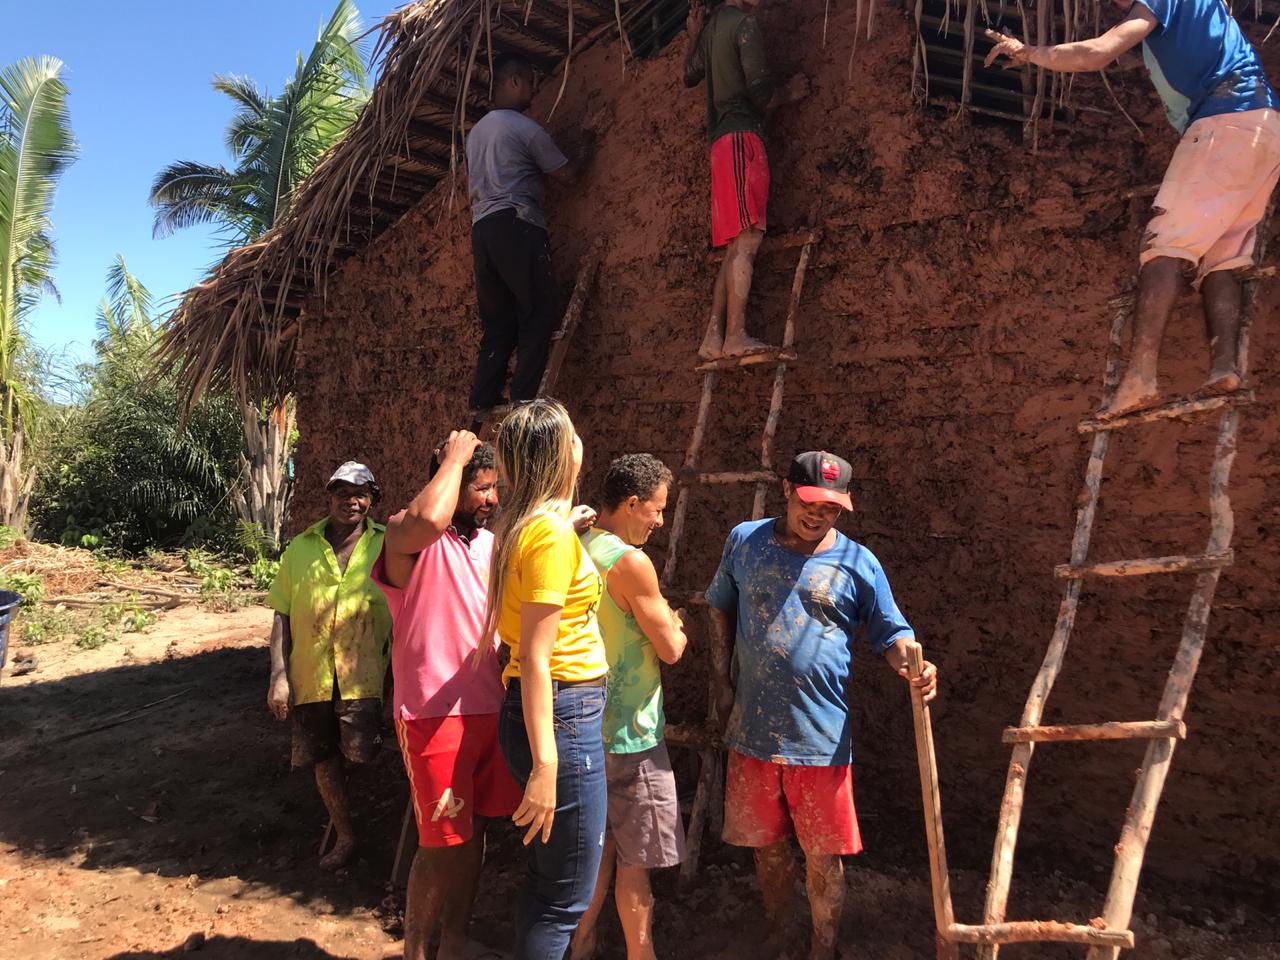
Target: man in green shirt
x=728 y=53
x=330 y=645
x=639 y=629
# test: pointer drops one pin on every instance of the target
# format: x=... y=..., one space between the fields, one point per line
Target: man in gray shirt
x=507 y=154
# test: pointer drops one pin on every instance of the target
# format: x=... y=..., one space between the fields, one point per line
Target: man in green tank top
x=639 y=629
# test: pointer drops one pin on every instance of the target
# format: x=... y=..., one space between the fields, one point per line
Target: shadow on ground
x=240 y=948
x=197 y=785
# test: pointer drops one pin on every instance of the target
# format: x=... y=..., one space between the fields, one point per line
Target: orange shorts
x=1215 y=192
x=765 y=803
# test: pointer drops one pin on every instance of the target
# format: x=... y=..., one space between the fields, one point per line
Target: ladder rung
x=774 y=355
x=1244 y=276
x=1168 y=411
x=773 y=241
x=1143 y=567
x=1039 y=931
x=1133 y=730
x=751 y=476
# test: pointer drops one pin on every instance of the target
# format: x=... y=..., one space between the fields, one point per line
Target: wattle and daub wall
x=952 y=333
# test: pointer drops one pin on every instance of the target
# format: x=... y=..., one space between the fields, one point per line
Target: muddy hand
x=694 y=21
x=1007 y=46
x=926 y=683
x=278 y=697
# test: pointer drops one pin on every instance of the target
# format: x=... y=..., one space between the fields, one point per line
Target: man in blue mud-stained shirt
x=1217 y=185
x=787 y=602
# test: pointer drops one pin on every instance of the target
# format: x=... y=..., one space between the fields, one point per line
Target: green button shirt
x=339 y=621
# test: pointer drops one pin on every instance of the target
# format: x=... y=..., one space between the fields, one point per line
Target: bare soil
x=185 y=826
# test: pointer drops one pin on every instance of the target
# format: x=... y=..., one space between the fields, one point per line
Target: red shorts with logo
x=456 y=773
x=739 y=186
x=767 y=802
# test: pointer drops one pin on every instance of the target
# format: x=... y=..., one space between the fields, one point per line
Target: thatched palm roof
x=239 y=326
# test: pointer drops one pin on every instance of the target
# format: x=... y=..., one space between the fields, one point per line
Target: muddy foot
x=712 y=348
x=744 y=345
x=1219 y=383
x=1131 y=395
x=344 y=850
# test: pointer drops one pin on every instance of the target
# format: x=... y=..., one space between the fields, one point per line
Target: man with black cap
x=785 y=605
x=330 y=645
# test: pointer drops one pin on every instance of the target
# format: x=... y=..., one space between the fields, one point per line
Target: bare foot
x=344 y=849
x=742 y=345
x=1132 y=394
x=1219 y=382
x=712 y=347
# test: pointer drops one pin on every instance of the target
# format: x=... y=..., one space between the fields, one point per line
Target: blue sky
x=139 y=73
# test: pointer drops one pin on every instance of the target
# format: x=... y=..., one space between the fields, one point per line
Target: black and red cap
x=821 y=477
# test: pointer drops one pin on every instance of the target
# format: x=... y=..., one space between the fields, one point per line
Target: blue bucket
x=9 y=602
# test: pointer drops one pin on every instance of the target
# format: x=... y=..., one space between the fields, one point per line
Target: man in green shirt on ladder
x=639 y=629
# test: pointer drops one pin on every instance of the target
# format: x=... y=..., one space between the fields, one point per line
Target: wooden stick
x=772 y=242
x=697 y=818
x=773 y=355
x=690 y=464
x=931 y=794
x=1130 y=730
x=729 y=476
x=1039 y=931
x=405 y=848
x=1168 y=411
x=1010 y=816
x=687 y=735
x=572 y=314
x=126 y=716
x=1143 y=567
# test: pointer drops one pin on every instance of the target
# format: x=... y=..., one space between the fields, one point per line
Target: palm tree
x=274 y=141
x=36 y=145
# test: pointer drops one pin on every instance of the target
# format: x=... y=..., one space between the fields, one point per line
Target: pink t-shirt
x=436 y=623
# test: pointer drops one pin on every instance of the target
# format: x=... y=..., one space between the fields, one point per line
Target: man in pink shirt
x=434 y=570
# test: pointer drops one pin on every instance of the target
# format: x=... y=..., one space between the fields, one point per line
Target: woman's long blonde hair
x=533 y=451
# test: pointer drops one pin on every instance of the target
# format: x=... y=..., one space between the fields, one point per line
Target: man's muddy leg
x=331 y=783
x=713 y=341
x=776 y=874
x=634 y=896
x=824 y=879
x=583 y=944
x=1158 y=285
x=743 y=249
x=459 y=873
x=1223 y=296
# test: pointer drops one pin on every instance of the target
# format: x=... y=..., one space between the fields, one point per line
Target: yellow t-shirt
x=550 y=565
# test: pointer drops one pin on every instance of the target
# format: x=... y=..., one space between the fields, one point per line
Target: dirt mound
x=63 y=570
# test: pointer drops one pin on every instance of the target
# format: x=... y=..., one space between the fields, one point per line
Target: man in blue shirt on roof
x=787 y=601
x=1218 y=183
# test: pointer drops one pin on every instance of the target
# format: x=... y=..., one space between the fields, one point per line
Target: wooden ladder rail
x=707 y=803
x=1015 y=784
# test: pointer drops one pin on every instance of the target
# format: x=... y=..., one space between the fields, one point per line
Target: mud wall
x=951 y=335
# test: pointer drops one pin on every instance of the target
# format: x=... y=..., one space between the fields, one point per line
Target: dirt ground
x=185 y=826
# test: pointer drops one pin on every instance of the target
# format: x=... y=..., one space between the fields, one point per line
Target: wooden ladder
x=1106 y=935
x=707 y=802
x=408 y=841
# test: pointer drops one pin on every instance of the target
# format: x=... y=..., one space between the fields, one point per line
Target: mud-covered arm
x=755 y=67
x=695 y=63
x=724 y=633
x=278 y=689
x=927 y=682
x=1081 y=56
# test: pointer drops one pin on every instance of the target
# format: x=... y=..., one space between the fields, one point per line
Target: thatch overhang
x=238 y=327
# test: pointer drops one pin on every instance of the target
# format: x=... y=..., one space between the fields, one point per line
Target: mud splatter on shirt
x=797 y=622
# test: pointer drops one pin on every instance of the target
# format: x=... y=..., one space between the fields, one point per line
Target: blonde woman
x=543 y=594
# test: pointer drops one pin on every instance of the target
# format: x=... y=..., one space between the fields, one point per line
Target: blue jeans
x=562 y=871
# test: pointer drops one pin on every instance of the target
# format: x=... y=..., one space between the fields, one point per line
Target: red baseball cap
x=821 y=477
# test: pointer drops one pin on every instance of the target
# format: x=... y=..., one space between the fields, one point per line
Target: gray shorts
x=644 y=813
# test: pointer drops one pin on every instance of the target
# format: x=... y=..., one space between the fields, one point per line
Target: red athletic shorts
x=767 y=802
x=456 y=772
x=739 y=186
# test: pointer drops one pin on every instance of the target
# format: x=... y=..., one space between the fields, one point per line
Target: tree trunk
x=16 y=481
x=262 y=496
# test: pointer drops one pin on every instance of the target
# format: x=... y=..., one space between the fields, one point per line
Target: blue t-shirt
x=1201 y=63
x=797 y=619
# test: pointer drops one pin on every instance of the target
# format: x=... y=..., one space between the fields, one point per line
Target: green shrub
x=138 y=620
x=91 y=638
x=8 y=537
x=30 y=586
x=263 y=572
x=46 y=625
